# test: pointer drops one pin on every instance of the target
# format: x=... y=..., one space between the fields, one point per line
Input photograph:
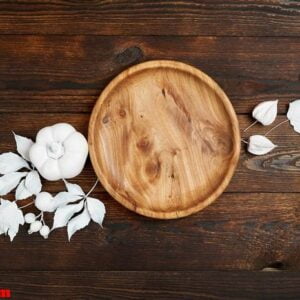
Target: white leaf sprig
x=72 y=208
x=265 y=112
x=88 y=209
x=10 y=218
x=23 y=145
x=9 y=181
x=65 y=213
x=22 y=192
x=79 y=222
x=74 y=189
x=11 y=162
x=33 y=182
x=63 y=198
x=96 y=210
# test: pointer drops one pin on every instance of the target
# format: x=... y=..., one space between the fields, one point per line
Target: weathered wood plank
x=152 y=285
x=245 y=231
x=214 y=17
x=277 y=171
x=67 y=73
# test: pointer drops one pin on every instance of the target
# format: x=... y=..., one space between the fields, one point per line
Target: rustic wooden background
x=56 y=56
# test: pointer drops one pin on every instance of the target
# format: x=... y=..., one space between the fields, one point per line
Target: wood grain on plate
x=278 y=171
x=164 y=139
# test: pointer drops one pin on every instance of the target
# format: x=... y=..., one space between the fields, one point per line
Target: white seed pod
x=44 y=202
x=29 y=218
x=260 y=145
x=35 y=227
x=44 y=231
x=265 y=112
x=293 y=114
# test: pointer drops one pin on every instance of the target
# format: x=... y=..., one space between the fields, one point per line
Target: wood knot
x=144 y=145
x=105 y=119
x=153 y=169
x=122 y=113
x=129 y=55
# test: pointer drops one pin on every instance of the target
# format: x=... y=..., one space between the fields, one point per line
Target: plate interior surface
x=164 y=139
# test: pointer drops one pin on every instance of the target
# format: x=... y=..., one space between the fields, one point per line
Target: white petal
x=23 y=145
x=64 y=214
x=38 y=155
x=64 y=198
x=50 y=170
x=33 y=182
x=74 y=189
x=11 y=162
x=260 y=145
x=96 y=209
x=9 y=181
x=71 y=164
x=44 y=136
x=78 y=222
x=61 y=131
x=265 y=112
x=293 y=115
x=22 y=192
x=76 y=152
x=76 y=143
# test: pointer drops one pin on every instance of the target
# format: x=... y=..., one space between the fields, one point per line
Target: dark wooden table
x=55 y=59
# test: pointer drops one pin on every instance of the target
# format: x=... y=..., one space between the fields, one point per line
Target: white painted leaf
x=23 y=145
x=74 y=189
x=33 y=182
x=22 y=192
x=293 y=114
x=64 y=198
x=78 y=222
x=65 y=213
x=11 y=162
x=9 y=181
x=10 y=218
x=260 y=145
x=96 y=210
x=265 y=112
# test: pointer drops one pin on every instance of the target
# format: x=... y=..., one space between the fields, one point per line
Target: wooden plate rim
x=235 y=129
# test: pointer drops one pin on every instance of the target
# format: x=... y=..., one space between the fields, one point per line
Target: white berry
x=35 y=227
x=44 y=231
x=29 y=218
x=44 y=202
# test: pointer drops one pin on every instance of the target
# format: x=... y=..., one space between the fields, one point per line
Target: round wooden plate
x=164 y=139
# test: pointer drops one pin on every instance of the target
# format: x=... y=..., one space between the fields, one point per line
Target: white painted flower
x=59 y=152
x=10 y=218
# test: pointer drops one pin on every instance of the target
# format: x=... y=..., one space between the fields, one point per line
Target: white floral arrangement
x=266 y=113
x=59 y=153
